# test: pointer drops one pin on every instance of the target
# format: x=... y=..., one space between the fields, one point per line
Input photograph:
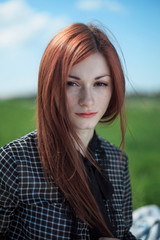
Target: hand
x=104 y=238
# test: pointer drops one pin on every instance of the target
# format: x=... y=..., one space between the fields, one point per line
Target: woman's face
x=89 y=90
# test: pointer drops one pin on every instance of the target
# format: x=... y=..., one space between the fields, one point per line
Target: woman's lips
x=87 y=115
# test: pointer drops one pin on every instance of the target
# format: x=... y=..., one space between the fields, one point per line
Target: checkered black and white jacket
x=30 y=209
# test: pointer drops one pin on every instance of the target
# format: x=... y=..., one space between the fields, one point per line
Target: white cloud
x=19 y=23
x=110 y=5
x=24 y=34
x=115 y=6
x=89 y=4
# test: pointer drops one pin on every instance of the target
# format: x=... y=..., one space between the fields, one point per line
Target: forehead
x=91 y=67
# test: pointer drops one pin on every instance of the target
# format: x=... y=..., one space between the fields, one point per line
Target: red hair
x=56 y=136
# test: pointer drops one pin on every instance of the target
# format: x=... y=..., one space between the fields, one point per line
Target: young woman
x=63 y=181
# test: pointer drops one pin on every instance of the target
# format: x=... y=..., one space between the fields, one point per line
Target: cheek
x=104 y=102
x=104 y=99
x=72 y=96
x=70 y=102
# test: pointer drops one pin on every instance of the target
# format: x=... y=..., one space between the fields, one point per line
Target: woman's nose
x=86 y=97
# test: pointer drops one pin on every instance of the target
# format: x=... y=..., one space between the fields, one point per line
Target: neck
x=85 y=136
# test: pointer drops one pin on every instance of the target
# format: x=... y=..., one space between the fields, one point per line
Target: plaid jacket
x=30 y=209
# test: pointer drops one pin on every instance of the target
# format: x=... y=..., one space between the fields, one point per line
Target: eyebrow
x=105 y=75
x=71 y=76
x=96 y=78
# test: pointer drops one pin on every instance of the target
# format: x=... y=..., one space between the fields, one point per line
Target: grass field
x=18 y=117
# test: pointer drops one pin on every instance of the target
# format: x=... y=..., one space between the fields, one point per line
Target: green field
x=18 y=117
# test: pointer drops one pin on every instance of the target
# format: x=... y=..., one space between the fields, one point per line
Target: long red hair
x=56 y=136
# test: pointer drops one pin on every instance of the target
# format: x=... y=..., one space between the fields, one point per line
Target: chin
x=86 y=127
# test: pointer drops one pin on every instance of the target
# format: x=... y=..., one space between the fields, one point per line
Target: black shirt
x=101 y=189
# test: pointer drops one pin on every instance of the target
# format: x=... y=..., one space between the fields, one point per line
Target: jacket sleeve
x=8 y=190
x=127 y=203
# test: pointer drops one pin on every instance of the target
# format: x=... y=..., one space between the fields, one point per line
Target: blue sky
x=26 y=27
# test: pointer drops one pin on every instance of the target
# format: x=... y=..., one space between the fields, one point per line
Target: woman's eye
x=101 y=84
x=71 y=84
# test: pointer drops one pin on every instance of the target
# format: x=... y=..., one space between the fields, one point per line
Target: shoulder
x=110 y=148
x=114 y=163
x=19 y=147
x=25 y=141
x=16 y=157
x=110 y=155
